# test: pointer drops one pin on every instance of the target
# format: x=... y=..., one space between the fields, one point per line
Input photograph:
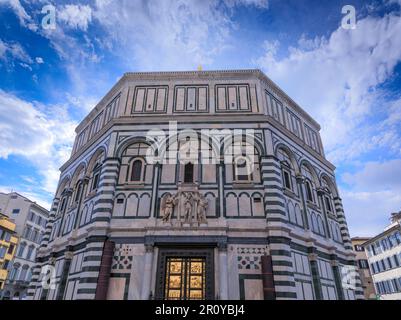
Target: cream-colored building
x=197 y=185
x=363 y=267
x=30 y=220
x=384 y=257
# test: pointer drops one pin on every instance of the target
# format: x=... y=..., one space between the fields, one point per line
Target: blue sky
x=348 y=80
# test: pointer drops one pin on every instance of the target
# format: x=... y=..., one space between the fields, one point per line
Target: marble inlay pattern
x=123 y=257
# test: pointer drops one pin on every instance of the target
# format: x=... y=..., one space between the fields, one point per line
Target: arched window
x=242 y=169
x=286 y=169
x=331 y=229
x=338 y=233
x=320 y=225
x=63 y=206
x=6 y=295
x=189 y=173
x=242 y=161
x=309 y=182
x=298 y=214
x=23 y=273
x=291 y=213
x=78 y=192
x=14 y=271
x=21 y=249
x=314 y=223
x=329 y=207
x=136 y=170
x=29 y=253
x=398 y=237
x=328 y=200
x=385 y=245
x=308 y=188
x=96 y=176
x=29 y=275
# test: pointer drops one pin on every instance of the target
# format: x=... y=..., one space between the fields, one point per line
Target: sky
x=54 y=71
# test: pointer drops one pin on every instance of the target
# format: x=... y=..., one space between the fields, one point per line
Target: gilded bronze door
x=185 y=279
x=185 y=276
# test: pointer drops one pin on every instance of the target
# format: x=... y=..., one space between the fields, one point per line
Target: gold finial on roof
x=200 y=68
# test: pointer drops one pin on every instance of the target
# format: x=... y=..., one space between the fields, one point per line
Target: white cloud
x=368 y=213
x=43 y=135
x=39 y=60
x=75 y=16
x=376 y=176
x=24 y=18
x=168 y=35
x=336 y=79
x=372 y=193
x=13 y=50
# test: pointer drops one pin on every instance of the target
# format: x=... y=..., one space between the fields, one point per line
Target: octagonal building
x=196 y=185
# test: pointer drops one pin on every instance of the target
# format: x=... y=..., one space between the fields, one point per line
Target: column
x=147 y=272
x=34 y=284
x=359 y=294
x=300 y=182
x=104 y=271
x=320 y=194
x=68 y=194
x=220 y=170
x=278 y=239
x=85 y=182
x=317 y=285
x=283 y=272
x=90 y=268
x=155 y=190
x=269 y=293
x=337 y=277
x=223 y=271
x=275 y=209
x=64 y=275
x=49 y=223
x=343 y=223
x=103 y=208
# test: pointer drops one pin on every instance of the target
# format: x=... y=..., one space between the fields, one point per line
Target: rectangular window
x=395 y=285
x=363 y=264
x=373 y=268
x=3 y=251
x=396 y=261
x=384 y=266
x=287 y=179
x=390 y=265
x=10 y=249
x=328 y=204
x=31 y=216
x=16 y=211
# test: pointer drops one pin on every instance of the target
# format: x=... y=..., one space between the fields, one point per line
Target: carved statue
x=168 y=204
x=201 y=210
x=187 y=207
x=193 y=206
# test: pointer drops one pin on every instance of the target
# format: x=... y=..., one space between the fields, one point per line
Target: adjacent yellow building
x=8 y=245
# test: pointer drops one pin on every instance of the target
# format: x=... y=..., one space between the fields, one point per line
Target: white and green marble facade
x=309 y=243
